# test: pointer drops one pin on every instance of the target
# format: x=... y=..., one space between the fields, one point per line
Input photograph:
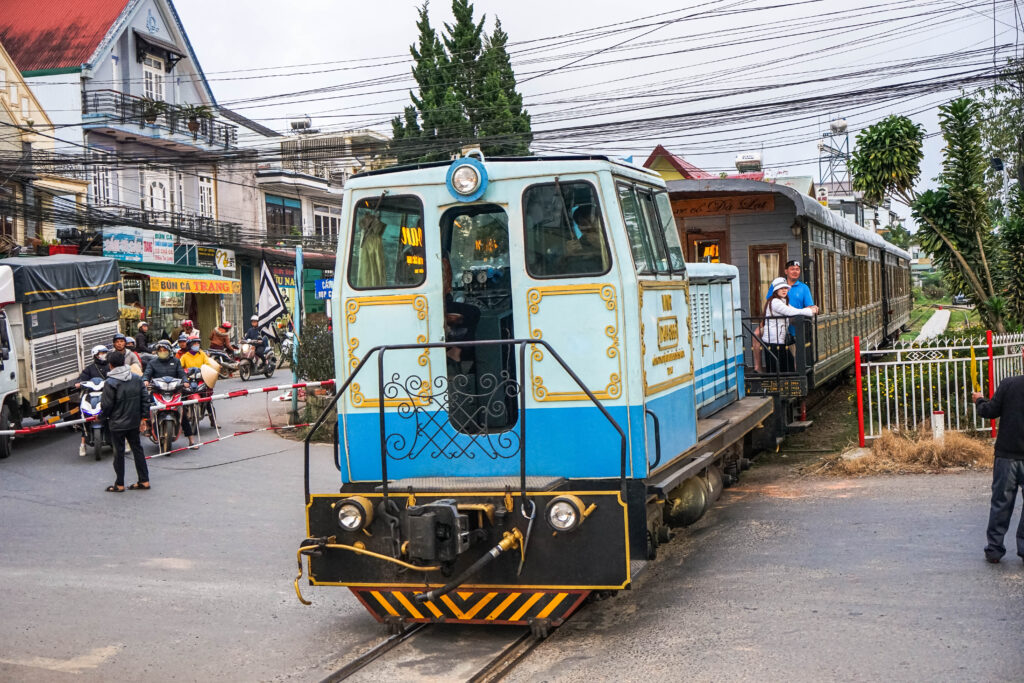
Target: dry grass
x=909 y=453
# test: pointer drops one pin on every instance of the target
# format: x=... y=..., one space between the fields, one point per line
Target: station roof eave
x=807 y=208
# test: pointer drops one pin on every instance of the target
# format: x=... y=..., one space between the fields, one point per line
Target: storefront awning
x=187 y=283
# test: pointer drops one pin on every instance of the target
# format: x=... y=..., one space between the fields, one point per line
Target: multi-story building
x=36 y=201
x=130 y=101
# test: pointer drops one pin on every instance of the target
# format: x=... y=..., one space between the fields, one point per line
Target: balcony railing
x=127 y=108
x=191 y=226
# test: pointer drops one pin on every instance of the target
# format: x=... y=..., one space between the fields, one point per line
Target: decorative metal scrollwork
x=467 y=417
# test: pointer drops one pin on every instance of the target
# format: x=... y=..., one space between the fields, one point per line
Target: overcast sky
x=711 y=56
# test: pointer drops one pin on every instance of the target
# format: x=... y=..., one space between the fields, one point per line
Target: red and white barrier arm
x=227 y=436
x=43 y=428
x=245 y=392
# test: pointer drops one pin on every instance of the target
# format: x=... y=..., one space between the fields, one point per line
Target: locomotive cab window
x=387 y=243
x=564 y=231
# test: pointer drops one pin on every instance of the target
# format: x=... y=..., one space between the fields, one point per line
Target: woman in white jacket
x=775 y=328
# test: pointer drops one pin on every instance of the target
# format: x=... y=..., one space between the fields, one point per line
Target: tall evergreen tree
x=466 y=93
x=506 y=130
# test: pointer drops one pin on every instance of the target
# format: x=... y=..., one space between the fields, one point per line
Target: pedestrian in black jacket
x=124 y=404
x=142 y=338
x=1008 y=470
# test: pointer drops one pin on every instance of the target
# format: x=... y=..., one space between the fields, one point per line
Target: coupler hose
x=511 y=540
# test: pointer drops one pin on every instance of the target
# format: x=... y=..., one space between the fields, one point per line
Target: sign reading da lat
x=714 y=206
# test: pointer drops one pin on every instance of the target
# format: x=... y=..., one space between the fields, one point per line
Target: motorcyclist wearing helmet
x=164 y=364
x=194 y=357
x=130 y=357
x=188 y=328
x=97 y=369
x=220 y=338
x=182 y=346
x=257 y=336
x=142 y=338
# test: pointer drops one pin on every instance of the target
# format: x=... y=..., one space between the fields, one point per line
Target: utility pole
x=296 y=323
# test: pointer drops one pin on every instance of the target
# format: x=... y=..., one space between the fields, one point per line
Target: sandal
x=139 y=486
x=115 y=489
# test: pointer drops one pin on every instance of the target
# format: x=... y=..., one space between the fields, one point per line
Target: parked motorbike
x=249 y=362
x=96 y=435
x=166 y=421
x=287 y=346
x=228 y=361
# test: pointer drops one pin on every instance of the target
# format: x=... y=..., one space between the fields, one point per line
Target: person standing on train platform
x=1007 y=404
x=799 y=293
x=774 y=330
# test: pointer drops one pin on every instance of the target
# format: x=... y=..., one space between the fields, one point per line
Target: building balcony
x=189 y=226
x=298 y=178
x=125 y=118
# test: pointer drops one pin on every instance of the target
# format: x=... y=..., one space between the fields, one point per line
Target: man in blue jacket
x=799 y=293
x=1008 y=470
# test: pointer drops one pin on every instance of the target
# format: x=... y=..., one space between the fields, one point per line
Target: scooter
x=227 y=361
x=287 y=346
x=250 y=362
x=166 y=422
x=96 y=435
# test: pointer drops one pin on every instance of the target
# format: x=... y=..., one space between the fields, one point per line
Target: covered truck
x=53 y=310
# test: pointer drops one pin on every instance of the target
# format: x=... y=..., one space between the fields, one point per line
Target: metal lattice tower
x=833 y=155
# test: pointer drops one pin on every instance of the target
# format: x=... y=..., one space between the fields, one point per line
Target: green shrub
x=316 y=352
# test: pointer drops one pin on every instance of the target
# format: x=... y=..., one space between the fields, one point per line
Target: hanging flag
x=271 y=303
x=974 y=372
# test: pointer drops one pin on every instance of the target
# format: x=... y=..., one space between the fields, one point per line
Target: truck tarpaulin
x=61 y=292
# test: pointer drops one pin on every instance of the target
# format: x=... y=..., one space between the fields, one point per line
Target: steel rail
x=373 y=653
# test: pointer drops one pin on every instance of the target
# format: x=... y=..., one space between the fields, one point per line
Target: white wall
x=60 y=95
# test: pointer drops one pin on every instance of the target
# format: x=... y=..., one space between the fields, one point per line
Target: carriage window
x=668 y=226
x=639 y=243
x=565 y=236
x=387 y=243
x=655 y=234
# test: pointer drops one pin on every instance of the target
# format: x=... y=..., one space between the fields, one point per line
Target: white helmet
x=254 y=319
x=98 y=349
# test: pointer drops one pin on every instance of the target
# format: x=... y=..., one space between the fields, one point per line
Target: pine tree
x=466 y=93
x=505 y=131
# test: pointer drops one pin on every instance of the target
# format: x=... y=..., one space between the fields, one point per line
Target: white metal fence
x=901 y=387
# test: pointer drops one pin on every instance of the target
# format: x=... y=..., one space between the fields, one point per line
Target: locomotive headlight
x=354 y=513
x=466 y=179
x=566 y=513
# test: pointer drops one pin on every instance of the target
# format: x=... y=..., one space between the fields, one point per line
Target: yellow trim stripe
x=480 y=605
x=79 y=303
x=72 y=289
x=384 y=603
x=512 y=597
x=526 y=607
x=451 y=605
x=555 y=602
x=434 y=610
x=406 y=604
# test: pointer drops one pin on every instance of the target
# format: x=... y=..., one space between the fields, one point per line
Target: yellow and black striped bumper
x=482 y=606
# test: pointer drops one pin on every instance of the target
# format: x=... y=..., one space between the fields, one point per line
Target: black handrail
x=380 y=350
x=657 y=438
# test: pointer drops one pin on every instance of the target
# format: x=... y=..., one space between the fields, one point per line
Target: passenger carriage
x=533 y=386
x=859 y=281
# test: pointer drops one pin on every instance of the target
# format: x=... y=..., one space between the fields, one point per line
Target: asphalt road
x=786 y=579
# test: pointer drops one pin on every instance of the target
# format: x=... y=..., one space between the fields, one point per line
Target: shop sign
x=187 y=285
x=174 y=300
x=157 y=247
x=284 y=276
x=224 y=259
x=324 y=289
x=123 y=244
x=206 y=257
x=712 y=206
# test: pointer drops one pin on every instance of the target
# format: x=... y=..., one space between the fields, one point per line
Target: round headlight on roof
x=467 y=179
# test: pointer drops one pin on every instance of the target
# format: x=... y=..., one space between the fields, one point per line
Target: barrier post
x=860 y=394
x=991 y=374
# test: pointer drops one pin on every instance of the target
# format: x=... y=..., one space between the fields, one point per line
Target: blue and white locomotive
x=533 y=387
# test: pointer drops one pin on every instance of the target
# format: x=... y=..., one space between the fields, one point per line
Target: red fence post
x=860 y=393
x=991 y=375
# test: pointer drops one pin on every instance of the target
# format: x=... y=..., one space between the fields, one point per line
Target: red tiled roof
x=55 y=34
x=684 y=167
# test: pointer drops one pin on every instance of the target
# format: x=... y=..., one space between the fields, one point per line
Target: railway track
x=493 y=660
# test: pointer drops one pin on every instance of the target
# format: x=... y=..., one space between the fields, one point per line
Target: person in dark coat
x=125 y=403
x=142 y=338
x=1008 y=470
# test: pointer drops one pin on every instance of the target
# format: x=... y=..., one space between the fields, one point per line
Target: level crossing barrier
x=900 y=387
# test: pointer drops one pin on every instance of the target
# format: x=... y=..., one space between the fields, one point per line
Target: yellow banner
x=196 y=285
